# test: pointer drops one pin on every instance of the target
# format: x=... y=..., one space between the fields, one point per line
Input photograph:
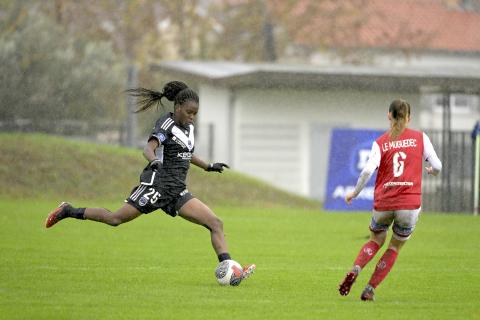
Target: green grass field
x=157 y=267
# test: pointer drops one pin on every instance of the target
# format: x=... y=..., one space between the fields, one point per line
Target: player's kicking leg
x=367 y=252
x=126 y=213
x=64 y=210
x=348 y=281
x=197 y=212
x=405 y=221
x=378 y=232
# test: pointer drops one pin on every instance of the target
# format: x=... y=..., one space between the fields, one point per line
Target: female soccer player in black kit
x=162 y=182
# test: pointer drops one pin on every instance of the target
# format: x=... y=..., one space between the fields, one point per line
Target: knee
x=379 y=237
x=114 y=221
x=396 y=244
x=216 y=224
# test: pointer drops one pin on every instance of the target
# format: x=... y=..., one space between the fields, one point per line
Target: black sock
x=77 y=213
x=224 y=256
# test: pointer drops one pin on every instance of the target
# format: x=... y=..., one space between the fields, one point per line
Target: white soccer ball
x=229 y=272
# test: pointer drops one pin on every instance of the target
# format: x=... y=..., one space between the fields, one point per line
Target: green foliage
x=47 y=75
x=49 y=167
x=157 y=267
x=239 y=35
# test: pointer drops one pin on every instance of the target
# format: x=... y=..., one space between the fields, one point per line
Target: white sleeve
x=367 y=172
x=430 y=155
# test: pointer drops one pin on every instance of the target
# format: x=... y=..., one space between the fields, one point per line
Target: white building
x=273 y=121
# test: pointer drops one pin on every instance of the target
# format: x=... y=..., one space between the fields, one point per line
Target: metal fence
x=452 y=190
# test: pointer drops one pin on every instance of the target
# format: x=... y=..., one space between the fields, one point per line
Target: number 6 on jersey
x=398 y=165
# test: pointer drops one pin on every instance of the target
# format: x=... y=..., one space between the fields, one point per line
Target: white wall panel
x=214 y=110
x=266 y=133
x=289 y=111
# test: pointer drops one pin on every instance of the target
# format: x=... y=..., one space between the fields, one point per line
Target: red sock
x=366 y=254
x=383 y=267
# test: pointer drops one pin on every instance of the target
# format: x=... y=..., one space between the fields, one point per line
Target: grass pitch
x=157 y=267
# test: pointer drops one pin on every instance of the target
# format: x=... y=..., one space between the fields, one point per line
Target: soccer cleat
x=347 y=283
x=57 y=214
x=248 y=270
x=368 y=294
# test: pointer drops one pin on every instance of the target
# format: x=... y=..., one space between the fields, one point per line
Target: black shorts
x=148 y=197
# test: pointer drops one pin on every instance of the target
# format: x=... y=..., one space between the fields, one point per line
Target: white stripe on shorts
x=138 y=192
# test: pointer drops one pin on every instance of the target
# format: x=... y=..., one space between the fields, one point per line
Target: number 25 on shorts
x=152 y=195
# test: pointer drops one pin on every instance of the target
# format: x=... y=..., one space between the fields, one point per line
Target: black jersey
x=178 y=143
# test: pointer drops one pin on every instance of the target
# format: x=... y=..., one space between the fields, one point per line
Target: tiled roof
x=408 y=24
x=439 y=26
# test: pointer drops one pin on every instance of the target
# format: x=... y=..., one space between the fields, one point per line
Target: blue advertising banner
x=349 y=151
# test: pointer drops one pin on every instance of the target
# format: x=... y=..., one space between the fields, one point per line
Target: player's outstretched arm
x=430 y=155
x=216 y=167
x=364 y=177
x=367 y=172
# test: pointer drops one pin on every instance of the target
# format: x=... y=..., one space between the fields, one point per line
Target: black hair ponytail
x=147 y=98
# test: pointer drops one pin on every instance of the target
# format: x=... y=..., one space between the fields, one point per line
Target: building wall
x=287 y=118
x=213 y=124
x=267 y=133
x=465 y=112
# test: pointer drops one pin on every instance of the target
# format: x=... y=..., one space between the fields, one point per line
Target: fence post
x=476 y=168
x=446 y=157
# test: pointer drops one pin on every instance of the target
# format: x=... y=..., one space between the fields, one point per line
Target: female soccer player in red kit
x=398 y=155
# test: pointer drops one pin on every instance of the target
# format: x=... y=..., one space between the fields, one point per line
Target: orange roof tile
x=439 y=26
x=404 y=24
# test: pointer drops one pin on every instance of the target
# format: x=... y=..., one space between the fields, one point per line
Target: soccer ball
x=229 y=272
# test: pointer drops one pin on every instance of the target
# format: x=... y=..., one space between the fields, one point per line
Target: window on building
x=459 y=103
